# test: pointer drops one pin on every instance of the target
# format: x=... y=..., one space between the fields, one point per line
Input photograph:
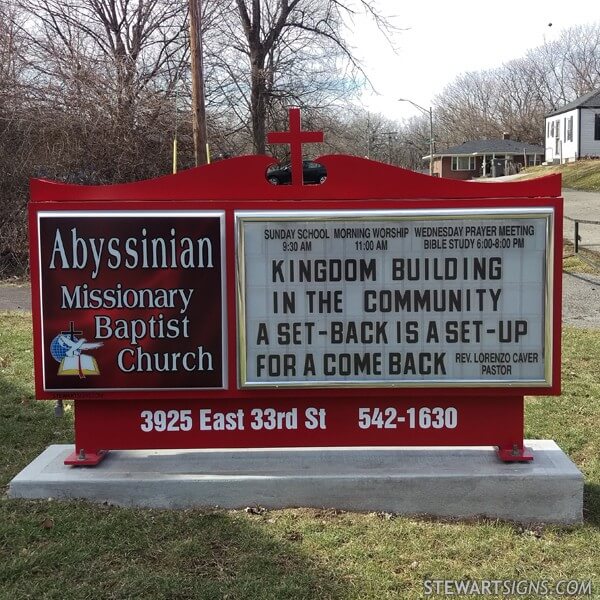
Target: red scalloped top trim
x=348 y=178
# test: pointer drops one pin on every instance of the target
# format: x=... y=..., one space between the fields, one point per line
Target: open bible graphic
x=74 y=361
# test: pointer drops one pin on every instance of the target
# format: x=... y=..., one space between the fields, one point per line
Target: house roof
x=589 y=100
x=496 y=146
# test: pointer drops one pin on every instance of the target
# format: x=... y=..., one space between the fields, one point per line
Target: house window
x=557 y=130
x=552 y=129
x=463 y=163
x=597 y=127
x=565 y=128
x=570 y=129
x=548 y=129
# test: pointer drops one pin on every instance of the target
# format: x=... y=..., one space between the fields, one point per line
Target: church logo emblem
x=71 y=352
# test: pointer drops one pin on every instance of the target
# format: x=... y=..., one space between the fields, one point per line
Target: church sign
x=211 y=309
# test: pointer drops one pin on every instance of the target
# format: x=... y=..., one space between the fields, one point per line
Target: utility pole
x=390 y=135
x=368 y=135
x=431 y=141
x=198 y=107
x=429 y=113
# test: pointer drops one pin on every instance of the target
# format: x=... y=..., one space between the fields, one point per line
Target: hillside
x=581 y=175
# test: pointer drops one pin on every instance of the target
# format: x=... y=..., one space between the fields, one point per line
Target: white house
x=573 y=131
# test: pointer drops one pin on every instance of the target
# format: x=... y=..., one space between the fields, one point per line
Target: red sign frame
x=111 y=419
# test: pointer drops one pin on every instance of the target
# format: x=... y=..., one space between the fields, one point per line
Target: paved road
x=578 y=205
x=581 y=293
x=13 y=297
x=586 y=206
x=581 y=300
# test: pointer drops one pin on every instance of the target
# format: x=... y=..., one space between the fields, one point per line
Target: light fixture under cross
x=295 y=137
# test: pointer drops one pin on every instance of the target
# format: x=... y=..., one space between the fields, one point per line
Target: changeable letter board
x=395 y=298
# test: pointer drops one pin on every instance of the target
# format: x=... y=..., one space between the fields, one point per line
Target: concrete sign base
x=442 y=482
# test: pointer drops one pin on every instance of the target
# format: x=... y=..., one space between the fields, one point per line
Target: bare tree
x=16 y=128
x=269 y=53
x=515 y=96
x=107 y=71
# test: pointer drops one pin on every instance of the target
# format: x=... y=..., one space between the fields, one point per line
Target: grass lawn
x=73 y=550
x=581 y=175
x=586 y=261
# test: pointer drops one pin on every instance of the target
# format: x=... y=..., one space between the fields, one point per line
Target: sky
x=444 y=38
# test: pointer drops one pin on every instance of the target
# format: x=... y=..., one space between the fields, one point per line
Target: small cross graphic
x=295 y=137
x=71 y=332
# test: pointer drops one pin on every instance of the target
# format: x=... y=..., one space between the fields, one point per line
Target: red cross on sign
x=295 y=137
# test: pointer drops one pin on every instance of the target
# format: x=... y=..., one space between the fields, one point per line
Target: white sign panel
x=390 y=298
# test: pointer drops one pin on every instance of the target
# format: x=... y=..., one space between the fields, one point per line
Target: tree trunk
x=258 y=105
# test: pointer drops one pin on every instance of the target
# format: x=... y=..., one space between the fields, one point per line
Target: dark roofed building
x=485 y=158
x=573 y=131
x=589 y=100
